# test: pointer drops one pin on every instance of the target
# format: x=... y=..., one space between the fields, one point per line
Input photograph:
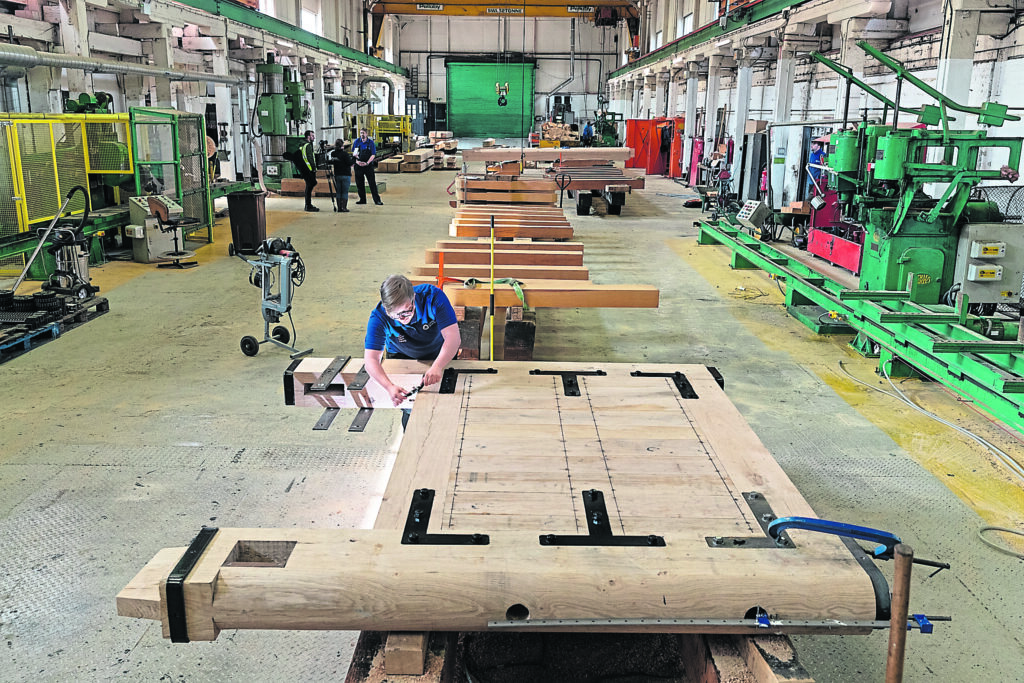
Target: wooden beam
x=522 y=185
x=405 y=653
x=512 y=231
x=605 y=154
x=482 y=271
x=515 y=257
x=507 y=245
x=555 y=294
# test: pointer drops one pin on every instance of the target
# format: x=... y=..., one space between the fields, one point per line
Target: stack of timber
x=390 y=165
x=485 y=524
x=505 y=190
x=517 y=259
x=296 y=187
x=510 y=222
x=418 y=160
x=439 y=135
x=561 y=132
x=444 y=157
x=585 y=179
x=592 y=154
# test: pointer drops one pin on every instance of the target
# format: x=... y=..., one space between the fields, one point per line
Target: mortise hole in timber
x=517 y=612
x=260 y=554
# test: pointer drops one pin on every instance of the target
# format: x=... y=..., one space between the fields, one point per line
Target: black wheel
x=231 y=249
x=250 y=346
x=281 y=334
x=81 y=292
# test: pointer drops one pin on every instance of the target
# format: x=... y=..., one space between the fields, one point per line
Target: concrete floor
x=130 y=433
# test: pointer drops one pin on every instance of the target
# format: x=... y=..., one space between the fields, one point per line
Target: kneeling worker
x=410 y=322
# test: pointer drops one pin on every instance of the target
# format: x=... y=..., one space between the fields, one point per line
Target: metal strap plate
x=328 y=375
x=764 y=515
x=362 y=417
x=570 y=385
x=415 y=532
x=678 y=378
x=451 y=376
x=326 y=419
x=599 y=528
x=176 y=620
x=360 y=380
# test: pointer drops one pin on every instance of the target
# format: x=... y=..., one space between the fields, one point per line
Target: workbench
x=534 y=496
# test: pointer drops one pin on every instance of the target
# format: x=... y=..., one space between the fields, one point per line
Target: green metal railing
x=975 y=356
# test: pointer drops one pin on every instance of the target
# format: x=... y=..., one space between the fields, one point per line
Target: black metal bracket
x=325 y=421
x=451 y=376
x=678 y=378
x=764 y=515
x=360 y=420
x=599 y=528
x=358 y=382
x=716 y=375
x=329 y=373
x=176 y=621
x=415 y=532
x=570 y=384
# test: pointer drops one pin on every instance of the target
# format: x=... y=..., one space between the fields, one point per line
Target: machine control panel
x=977 y=272
x=753 y=214
x=988 y=249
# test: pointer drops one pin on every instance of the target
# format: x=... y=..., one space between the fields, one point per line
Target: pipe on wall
x=26 y=57
x=379 y=79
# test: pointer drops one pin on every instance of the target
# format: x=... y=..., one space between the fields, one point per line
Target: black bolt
x=478 y=538
x=547 y=539
x=767 y=517
x=653 y=540
x=718 y=540
x=413 y=537
x=424 y=493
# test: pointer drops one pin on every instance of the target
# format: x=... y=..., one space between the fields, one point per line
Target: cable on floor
x=996 y=546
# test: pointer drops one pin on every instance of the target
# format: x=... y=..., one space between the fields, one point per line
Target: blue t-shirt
x=421 y=337
x=816 y=158
x=363 y=150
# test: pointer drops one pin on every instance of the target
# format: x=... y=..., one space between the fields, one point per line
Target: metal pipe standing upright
x=904 y=559
x=491 y=355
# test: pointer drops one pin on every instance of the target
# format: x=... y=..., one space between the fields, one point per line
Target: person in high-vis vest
x=307 y=168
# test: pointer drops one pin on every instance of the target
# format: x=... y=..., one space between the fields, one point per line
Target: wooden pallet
x=511 y=454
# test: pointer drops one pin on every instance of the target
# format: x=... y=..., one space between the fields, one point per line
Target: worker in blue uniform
x=815 y=176
x=365 y=153
x=410 y=322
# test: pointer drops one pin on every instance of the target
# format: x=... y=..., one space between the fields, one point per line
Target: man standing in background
x=365 y=154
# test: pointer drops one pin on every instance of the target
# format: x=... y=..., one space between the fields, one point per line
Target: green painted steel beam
x=738 y=19
x=252 y=18
x=945 y=347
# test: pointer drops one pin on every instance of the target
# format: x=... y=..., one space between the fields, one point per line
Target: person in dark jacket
x=307 y=168
x=342 y=162
x=365 y=153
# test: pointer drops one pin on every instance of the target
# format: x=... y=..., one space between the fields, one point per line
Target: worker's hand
x=397 y=393
x=432 y=376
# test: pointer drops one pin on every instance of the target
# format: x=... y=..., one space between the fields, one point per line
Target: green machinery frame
x=879 y=173
x=978 y=357
x=169 y=148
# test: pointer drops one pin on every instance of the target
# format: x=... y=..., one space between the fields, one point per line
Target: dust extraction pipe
x=26 y=57
x=391 y=90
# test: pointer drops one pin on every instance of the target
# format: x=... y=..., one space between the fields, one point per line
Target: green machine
x=280 y=110
x=881 y=171
x=934 y=262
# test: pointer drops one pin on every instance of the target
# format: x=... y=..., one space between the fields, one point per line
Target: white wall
x=546 y=40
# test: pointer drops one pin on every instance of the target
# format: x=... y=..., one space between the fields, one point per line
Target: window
x=267 y=7
x=686 y=24
x=309 y=17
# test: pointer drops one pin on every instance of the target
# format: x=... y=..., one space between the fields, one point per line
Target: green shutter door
x=473 y=109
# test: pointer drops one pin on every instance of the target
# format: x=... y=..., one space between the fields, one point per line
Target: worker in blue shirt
x=588 y=135
x=816 y=176
x=365 y=154
x=410 y=322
